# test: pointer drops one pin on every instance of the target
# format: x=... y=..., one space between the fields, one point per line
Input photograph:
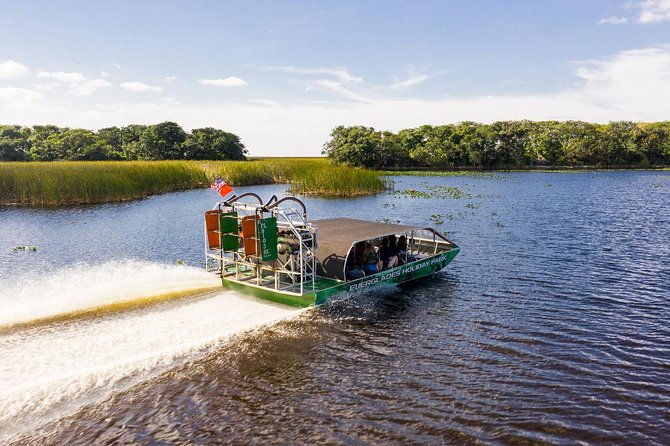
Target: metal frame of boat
x=271 y=250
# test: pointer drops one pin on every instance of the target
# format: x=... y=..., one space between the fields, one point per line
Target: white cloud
x=18 y=105
x=336 y=87
x=139 y=86
x=75 y=82
x=104 y=74
x=10 y=69
x=613 y=20
x=340 y=73
x=653 y=11
x=231 y=81
x=87 y=87
x=413 y=80
x=48 y=86
x=117 y=66
x=62 y=76
x=168 y=79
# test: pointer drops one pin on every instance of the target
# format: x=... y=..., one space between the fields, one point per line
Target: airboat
x=271 y=250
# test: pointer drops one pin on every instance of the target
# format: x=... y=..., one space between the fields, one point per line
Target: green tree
x=512 y=139
x=653 y=142
x=213 y=144
x=478 y=141
x=40 y=148
x=79 y=145
x=14 y=144
x=113 y=138
x=355 y=146
x=162 y=142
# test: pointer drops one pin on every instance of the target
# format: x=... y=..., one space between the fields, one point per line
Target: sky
x=283 y=74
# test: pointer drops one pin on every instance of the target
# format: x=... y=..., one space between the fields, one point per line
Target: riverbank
x=63 y=183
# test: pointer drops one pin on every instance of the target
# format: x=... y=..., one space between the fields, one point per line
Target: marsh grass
x=68 y=183
x=309 y=176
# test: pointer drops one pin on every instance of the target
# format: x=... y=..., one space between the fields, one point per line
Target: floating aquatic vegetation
x=445 y=173
x=412 y=193
x=25 y=248
x=436 y=218
x=439 y=192
x=388 y=221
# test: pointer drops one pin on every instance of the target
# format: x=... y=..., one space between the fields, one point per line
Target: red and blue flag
x=221 y=187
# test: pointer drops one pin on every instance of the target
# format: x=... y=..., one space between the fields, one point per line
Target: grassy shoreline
x=64 y=183
x=67 y=183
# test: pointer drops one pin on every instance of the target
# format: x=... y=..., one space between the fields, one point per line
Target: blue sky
x=283 y=74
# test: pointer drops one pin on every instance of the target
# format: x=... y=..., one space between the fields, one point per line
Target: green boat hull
x=326 y=289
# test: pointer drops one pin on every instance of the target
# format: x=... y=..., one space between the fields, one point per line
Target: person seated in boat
x=370 y=259
x=354 y=260
x=402 y=248
x=386 y=257
x=394 y=259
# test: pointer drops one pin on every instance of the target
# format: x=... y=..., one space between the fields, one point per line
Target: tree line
x=164 y=141
x=503 y=144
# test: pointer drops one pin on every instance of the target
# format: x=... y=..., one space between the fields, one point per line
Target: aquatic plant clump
x=310 y=176
x=437 y=192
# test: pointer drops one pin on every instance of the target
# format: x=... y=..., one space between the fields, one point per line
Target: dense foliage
x=164 y=141
x=503 y=144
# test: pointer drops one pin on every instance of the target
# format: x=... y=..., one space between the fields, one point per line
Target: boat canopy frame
x=296 y=275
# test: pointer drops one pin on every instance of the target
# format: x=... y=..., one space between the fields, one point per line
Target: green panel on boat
x=228 y=228
x=266 y=229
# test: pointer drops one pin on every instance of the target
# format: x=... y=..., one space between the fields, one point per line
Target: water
x=549 y=327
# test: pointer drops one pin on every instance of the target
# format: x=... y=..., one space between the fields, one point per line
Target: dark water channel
x=550 y=327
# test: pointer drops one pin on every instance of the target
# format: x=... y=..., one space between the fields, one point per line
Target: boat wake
x=51 y=370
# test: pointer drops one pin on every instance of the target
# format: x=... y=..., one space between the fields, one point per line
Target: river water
x=550 y=327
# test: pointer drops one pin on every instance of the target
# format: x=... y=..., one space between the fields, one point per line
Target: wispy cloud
x=613 y=20
x=168 y=79
x=10 y=69
x=75 y=82
x=652 y=11
x=340 y=73
x=140 y=86
x=62 y=76
x=336 y=87
x=231 y=81
x=410 y=81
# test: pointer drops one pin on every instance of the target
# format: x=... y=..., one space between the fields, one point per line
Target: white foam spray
x=48 y=372
x=79 y=287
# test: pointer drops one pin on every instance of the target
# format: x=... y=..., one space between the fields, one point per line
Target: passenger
x=370 y=259
x=402 y=248
x=353 y=268
x=394 y=260
x=384 y=254
x=388 y=259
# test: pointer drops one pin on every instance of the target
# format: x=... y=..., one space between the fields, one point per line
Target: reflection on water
x=549 y=327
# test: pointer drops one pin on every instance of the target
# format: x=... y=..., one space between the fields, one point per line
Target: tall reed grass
x=78 y=182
